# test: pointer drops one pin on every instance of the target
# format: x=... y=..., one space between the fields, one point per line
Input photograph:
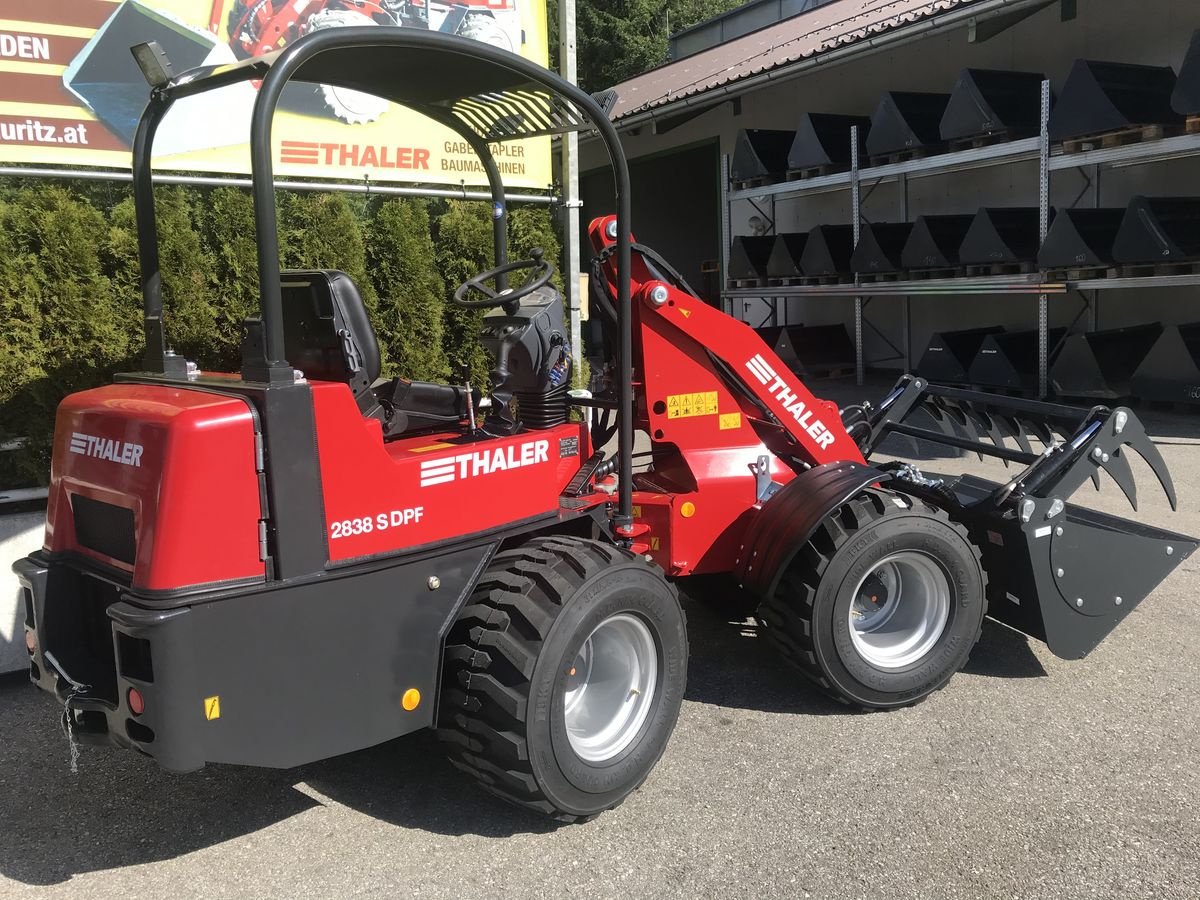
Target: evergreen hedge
x=70 y=301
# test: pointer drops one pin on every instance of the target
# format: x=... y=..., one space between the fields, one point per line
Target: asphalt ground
x=1027 y=776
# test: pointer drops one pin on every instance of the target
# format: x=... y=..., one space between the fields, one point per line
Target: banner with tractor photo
x=71 y=93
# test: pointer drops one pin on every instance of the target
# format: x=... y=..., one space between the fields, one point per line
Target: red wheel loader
x=301 y=559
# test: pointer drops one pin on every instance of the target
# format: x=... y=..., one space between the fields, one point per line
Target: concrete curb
x=20 y=535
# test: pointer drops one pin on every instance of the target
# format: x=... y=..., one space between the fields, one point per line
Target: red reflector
x=137 y=703
x=30 y=641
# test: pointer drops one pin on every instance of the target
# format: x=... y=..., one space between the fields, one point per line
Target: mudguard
x=787 y=519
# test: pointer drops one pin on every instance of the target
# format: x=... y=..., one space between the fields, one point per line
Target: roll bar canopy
x=485 y=94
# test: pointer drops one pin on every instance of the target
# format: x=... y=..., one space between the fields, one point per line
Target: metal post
x=855 y=201
x=906 y=311
x=569 y=149
x=726 y=238
x=1043 y=228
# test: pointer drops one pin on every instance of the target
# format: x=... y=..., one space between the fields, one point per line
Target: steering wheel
x=541 y=271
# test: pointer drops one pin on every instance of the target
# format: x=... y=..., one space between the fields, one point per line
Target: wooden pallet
x=1154 y=270
x=1136 y=135
x=903 y=156
x=877 y=277
x=986 y=140
x=757 y=181
x=821 y=280
x=812 y=172
x=1023 y=268
x=1193 y=125
x=785 y=282
x=1086 y=273
x=927 y=274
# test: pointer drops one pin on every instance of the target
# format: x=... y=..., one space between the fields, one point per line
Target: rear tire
x=882 y=605
x=563 y=676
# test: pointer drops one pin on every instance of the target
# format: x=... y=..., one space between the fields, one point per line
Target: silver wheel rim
x=900 y=609
x=610 y=687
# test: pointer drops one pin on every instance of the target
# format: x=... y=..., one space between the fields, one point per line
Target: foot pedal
x=578 y=484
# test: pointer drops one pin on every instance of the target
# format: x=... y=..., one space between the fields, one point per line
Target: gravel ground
x=1026 y=777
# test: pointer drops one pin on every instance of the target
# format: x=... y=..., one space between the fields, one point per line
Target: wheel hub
x=899 y=609
x=610 y=687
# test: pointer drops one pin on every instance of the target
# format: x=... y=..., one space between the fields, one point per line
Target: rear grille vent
x=104 y=527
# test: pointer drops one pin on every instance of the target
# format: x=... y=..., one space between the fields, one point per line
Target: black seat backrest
x=326 y=332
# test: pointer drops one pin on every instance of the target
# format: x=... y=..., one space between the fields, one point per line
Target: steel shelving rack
x=1008 y=153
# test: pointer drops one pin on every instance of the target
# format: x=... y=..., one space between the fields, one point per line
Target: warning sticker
x=428 y=447
x=730 y=420
x=212 y=708
x=685 y=406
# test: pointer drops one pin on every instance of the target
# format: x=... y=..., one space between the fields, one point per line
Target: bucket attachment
x=760 y=153
x=1009 y=359
x=934 y=242
x=1056 y=571
x=993 y=102
x=820 y=349
x=949 y=355
x=1099 y=97
x=1081 y=239
x=1101 y=364
x=1001 y=236
x=880 y=247
x=1186 y=99
x=828 y=251
x=905 y=121
x=786 y=253
x=748 y=257
x=823 y=141
x=1170 y=373
x=1159 y=230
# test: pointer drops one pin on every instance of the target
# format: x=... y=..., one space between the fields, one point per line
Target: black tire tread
x=490 y=655
x=788 y=614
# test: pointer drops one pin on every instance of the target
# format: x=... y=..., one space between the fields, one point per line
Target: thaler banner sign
x=71 y=93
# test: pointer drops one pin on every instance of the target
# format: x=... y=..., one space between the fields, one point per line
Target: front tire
x=882 y=605
x=564 y=676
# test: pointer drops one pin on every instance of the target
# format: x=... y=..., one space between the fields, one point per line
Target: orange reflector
x=137 y=703
x=411 y=699
x=30 y=641
x=688 y=509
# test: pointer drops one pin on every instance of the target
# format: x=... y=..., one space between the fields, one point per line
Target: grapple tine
x=1040 y=430
x=1018 y=433
x=1096 y=479
x=939 y=415
x=1118 y=467
x=1144 y=447
x=995 y=432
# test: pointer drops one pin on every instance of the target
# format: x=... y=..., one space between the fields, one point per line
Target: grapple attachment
x=1056 y=571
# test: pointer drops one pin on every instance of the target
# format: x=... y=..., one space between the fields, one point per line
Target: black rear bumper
x=279 y=675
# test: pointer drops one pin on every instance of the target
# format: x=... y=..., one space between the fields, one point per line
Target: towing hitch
x=1058 y=572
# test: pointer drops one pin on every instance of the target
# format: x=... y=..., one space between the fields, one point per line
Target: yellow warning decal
x=685 y=406
x=655 y=544
x=686 y=313
x=212 y=708
x=637 y=512
x=428 y=447
x=731 y=420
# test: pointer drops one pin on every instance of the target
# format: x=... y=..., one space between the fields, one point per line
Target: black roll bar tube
x=276 y=369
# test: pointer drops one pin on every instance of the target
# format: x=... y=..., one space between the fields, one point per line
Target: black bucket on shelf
x=1009 y=360
x=907 y=121
x=779 y=339
x=1001 y=236
x=985 y=102
x=934 y=242
x=1158 y=230
x=786 y=253
x=748 y=255
x=1170 y=373
x=948 y=356
x=823 y=141
x=1186 y=98
x=828 y=250
x=820 y=349
x=760 y=153
x=880 y=247
x=1101 y=364
x=1100 y=97
x=1081 y=239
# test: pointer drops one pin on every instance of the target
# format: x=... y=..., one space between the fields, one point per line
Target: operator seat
x=326 y=332
x=327 y=335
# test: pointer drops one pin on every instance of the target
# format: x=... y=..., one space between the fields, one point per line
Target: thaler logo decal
x=122 y=452
x=794 y=406
x=483 y=462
